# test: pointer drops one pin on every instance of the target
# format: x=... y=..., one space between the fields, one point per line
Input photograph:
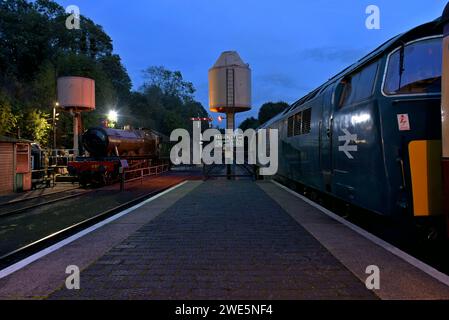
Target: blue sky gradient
x=292 y=46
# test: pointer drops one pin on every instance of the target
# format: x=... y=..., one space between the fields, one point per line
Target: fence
x=61 y=157
x=140 y=173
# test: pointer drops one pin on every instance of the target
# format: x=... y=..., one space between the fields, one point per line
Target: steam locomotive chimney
x=445 y=114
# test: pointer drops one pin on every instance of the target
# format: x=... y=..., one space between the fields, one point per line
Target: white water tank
x=230 y=84
x=76 y=93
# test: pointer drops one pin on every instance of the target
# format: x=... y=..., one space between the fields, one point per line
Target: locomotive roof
x=428 y=29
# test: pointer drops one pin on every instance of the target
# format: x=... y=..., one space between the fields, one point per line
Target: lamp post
x=54 y=123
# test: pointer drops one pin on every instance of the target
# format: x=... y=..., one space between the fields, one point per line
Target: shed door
x=6 y=167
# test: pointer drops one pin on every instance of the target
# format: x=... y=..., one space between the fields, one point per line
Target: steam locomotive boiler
x=101 y=142
x=109 y=149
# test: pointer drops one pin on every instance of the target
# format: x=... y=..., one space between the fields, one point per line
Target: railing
x=140 y=173
x=61 y=157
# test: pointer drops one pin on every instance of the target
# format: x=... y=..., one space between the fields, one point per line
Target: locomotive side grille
x=290 y=127
x=298 y=123
x=306 y=120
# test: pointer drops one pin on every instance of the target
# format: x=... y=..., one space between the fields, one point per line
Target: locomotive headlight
x=113 y=116
x=361 y=118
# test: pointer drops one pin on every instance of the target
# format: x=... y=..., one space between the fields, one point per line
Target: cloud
x=329 y=53
x=279 y=80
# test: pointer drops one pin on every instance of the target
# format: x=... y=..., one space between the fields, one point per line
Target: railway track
x=24 y=205
x=16 y=201
x=24 y=251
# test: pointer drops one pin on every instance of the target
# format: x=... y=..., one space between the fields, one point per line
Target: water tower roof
x=228 y=59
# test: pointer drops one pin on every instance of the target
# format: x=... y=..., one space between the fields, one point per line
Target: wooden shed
x=15 y=165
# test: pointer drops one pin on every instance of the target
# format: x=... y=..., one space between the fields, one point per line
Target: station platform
x=222 y=239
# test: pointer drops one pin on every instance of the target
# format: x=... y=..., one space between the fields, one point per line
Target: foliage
x=266 y=112
x=165 y=102
x=8 y=120
x=36 y=48
x=249 y=123
x=34 y=125
x=270 y=109
x=171 y=83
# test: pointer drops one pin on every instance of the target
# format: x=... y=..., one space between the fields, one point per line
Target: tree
x=249 y=123
x=170 y=82
x=8 y=120
x=34 y=125
x=114 y=69
x=165 y=102
x=270 y=109
x=35 y=49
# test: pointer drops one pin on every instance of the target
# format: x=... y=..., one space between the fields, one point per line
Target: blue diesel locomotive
x=371 y=135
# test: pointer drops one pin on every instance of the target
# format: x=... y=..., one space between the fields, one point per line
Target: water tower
x=76 y=95
x=230 y=86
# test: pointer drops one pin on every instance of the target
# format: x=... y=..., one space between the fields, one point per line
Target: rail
x=18 y=254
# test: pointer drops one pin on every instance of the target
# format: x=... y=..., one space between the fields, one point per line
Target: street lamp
x=55 y=118
x=112 y=118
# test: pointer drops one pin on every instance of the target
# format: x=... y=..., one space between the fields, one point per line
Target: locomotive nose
x=95 y=141
x=445 y=113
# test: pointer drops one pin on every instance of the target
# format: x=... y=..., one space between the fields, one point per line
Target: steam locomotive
x=110 y=149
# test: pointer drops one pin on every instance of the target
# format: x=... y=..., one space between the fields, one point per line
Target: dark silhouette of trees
x=267 y=111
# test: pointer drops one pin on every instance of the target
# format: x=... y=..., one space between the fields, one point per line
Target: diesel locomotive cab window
x=359 y=86
x=415 y=68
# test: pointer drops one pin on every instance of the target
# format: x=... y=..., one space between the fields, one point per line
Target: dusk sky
x=292 y=46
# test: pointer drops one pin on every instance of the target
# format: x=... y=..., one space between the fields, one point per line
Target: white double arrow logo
x=346 y=148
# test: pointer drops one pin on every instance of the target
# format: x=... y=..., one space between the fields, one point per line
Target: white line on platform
x=387 y=246
x=23 y=263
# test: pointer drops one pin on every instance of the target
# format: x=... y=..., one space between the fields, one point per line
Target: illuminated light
x=364 y=117
x=113 y=116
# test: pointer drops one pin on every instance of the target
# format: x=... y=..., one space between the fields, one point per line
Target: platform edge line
x=38 y=255
x=424 y=267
